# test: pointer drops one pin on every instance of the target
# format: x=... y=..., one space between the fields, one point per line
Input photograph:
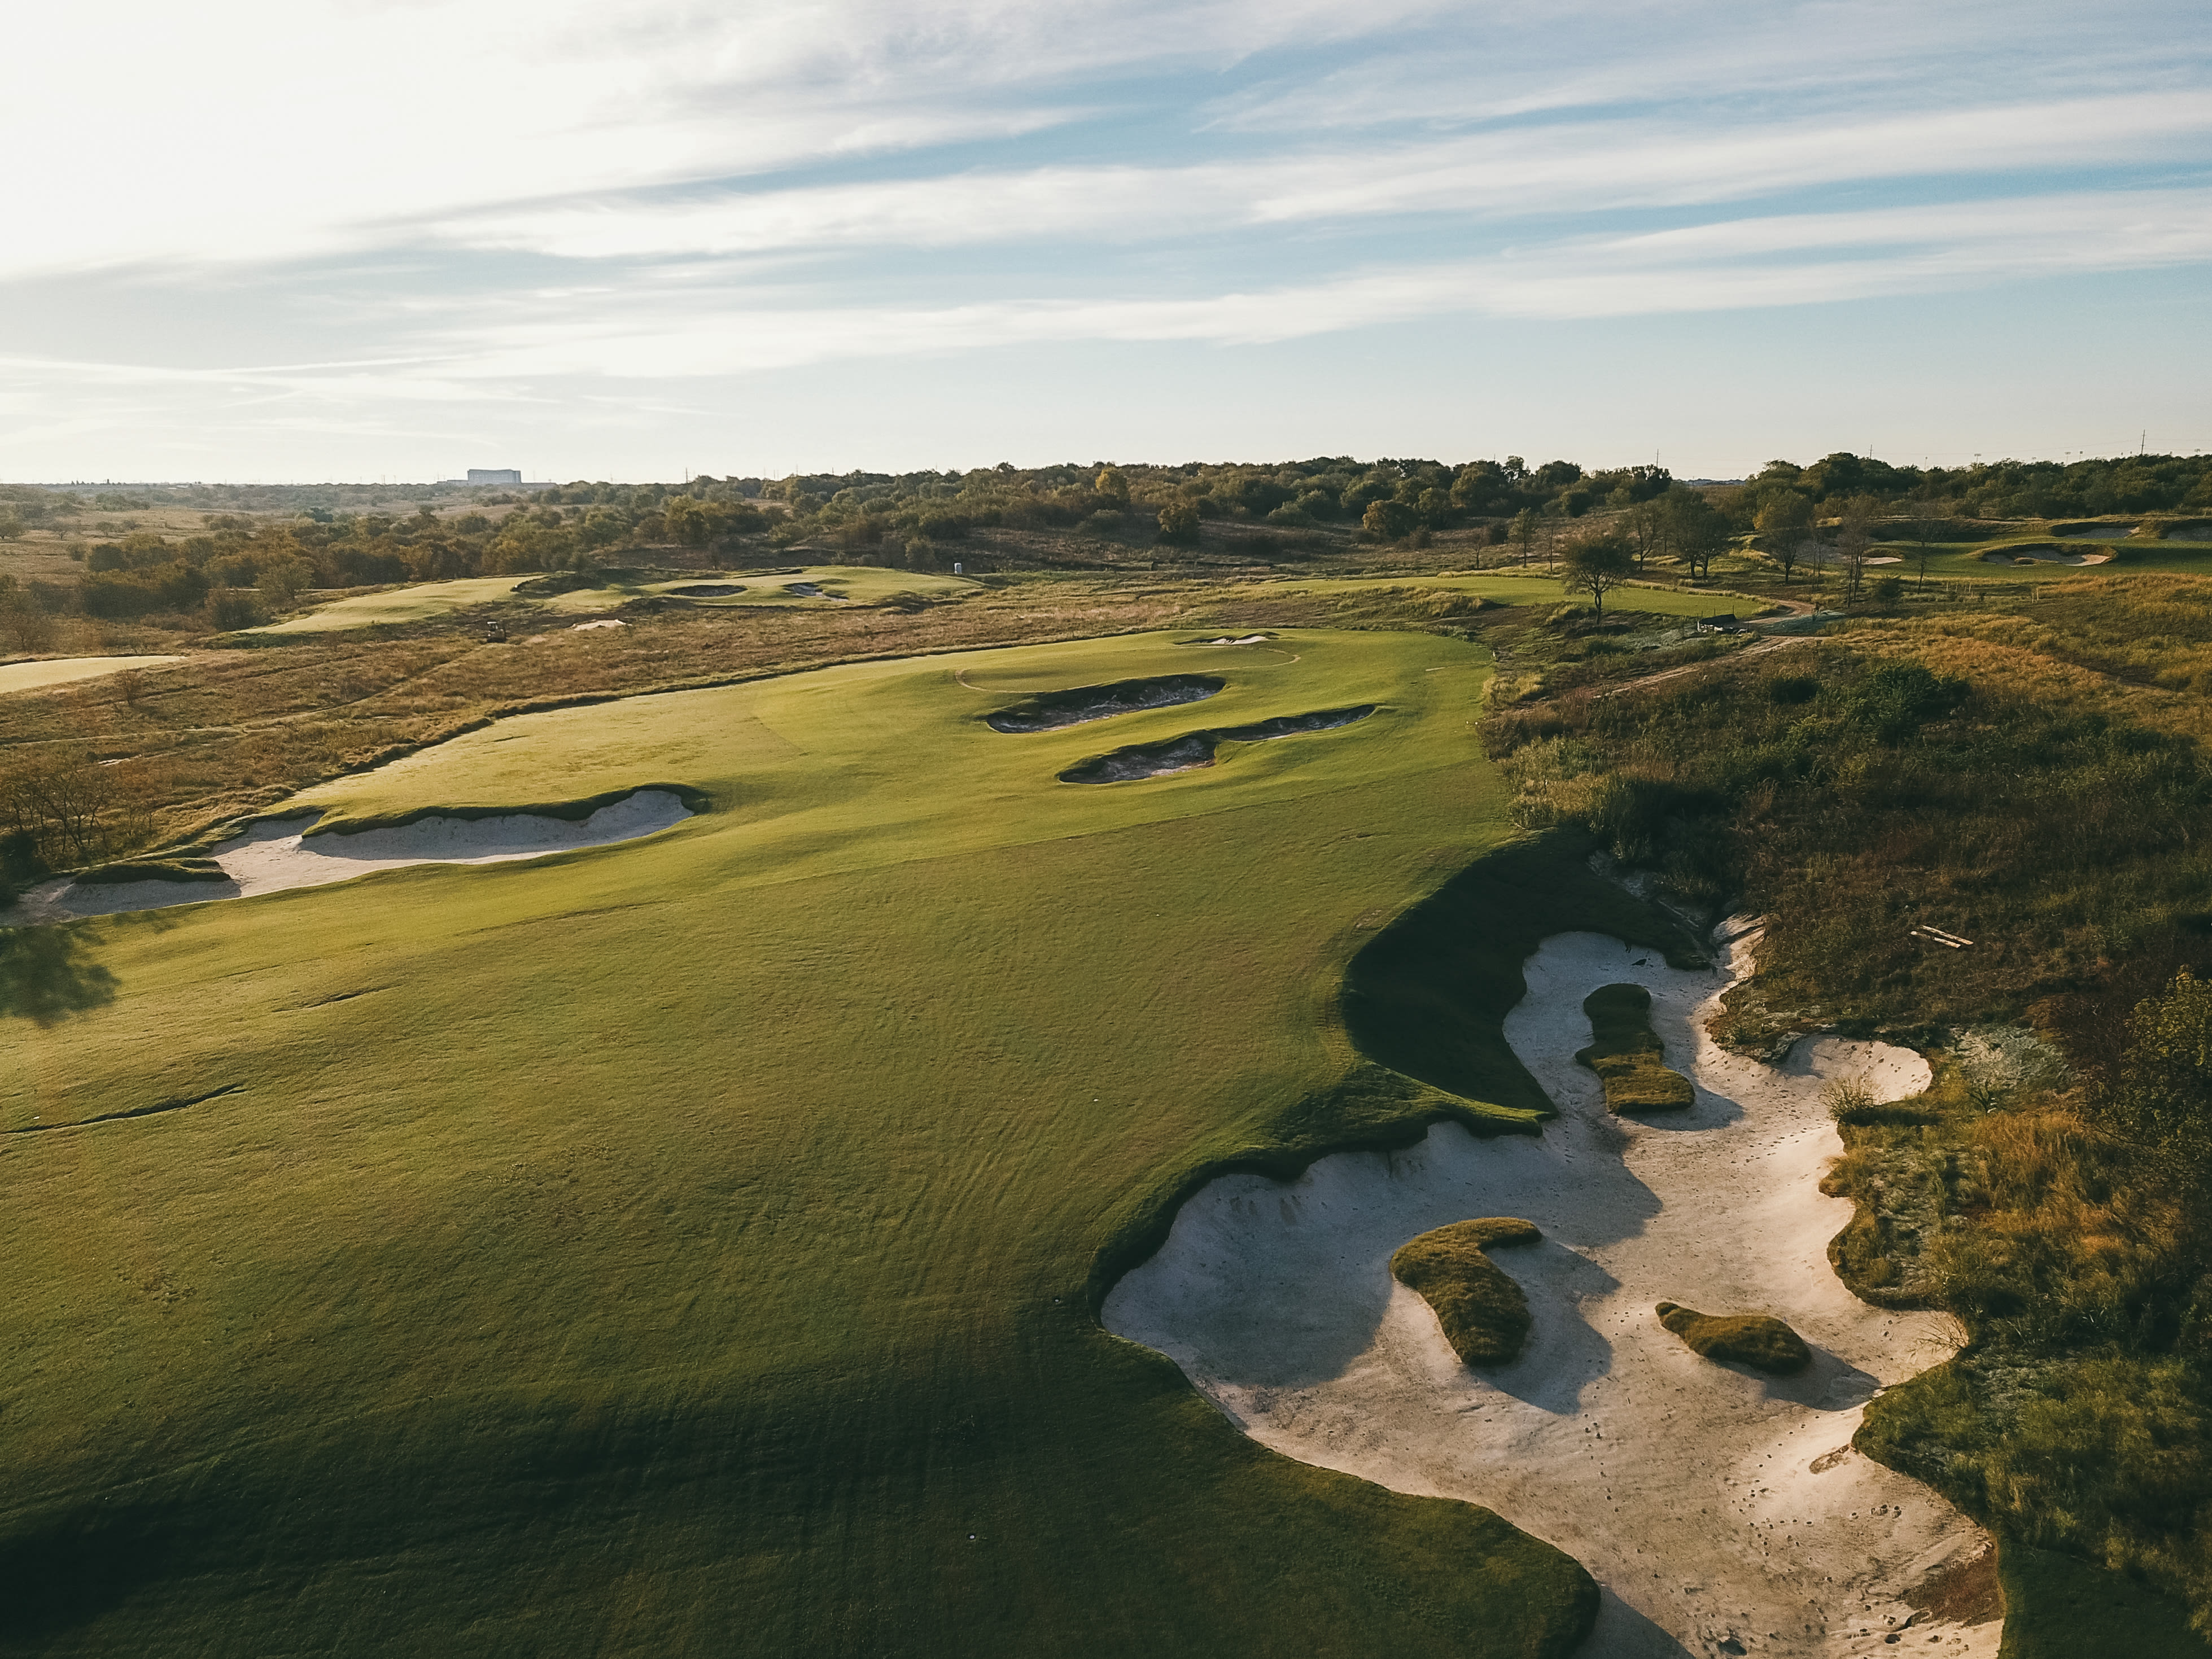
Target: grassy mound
x=1484 y=1313
x=109 y=875
x=1758 y=1340
x=724 y=1282
x=1627 y=1055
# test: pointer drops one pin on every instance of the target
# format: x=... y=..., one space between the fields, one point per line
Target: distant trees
x=1596 y=565
x=1854 y=536
x=1692 y=529
x=1785 y=524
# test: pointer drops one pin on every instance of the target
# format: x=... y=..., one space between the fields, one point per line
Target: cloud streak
x=451 y=203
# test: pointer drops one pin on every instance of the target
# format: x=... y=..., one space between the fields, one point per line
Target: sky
x=360 y=240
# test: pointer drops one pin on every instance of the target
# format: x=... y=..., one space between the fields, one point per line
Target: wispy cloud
x=444 y=203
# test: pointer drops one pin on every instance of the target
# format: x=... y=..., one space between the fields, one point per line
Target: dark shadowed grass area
x=48 y=973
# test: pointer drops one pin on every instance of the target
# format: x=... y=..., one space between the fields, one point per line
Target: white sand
x=276 y=854
x=61 y=670
x=1687 y=1488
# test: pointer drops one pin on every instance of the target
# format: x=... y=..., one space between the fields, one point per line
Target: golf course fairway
x=691 y=1245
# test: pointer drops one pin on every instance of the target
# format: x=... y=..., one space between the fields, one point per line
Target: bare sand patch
x=1720 y=1511
x=277 y=854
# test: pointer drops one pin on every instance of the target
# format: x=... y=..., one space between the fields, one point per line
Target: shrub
x=229 y=608
x=1179 y=523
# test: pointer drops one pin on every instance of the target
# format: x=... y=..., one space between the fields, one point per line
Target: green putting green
x=421 y=602
x=688 y=1246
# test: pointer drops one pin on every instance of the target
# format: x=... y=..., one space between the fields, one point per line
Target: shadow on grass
x=47 y=974
x=70 y=1571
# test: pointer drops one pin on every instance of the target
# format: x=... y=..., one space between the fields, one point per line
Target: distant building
x=495 y=475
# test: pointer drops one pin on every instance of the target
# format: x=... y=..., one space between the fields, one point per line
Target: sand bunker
x=586 y=628
x=706 y=591
x=1720 y=1511
x=809 y=591
x=276 y=854
x=1249 y=639
x=1054 y=709
x=2044 y=556
x=1184 y=754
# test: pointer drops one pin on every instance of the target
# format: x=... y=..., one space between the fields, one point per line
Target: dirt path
x=1722 y=1513
x=1764 y=647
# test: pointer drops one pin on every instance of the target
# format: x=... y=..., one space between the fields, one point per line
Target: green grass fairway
x=846 y=583
x=421 y=602
x=425 y=601
x=1504 y=588
x=687 y=1247
x=60 y=671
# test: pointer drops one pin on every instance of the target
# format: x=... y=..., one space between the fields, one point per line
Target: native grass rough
x=1627 y=1054
x=1758 y=1340
x=1483 y=1313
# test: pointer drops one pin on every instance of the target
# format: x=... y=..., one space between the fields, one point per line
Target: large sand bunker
x=1195 y=749
x=1074 y=707
x=1721 y=1512
x=276 y=854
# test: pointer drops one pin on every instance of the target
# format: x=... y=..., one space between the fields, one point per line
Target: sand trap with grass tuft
x=1721 y=1511
x=276 y=854
x=1195 y=749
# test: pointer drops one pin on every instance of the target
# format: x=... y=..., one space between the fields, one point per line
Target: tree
x=1596 y=565
x=1645 y=523
x=1113 y=484
x=1694 y=530
x=1785 y=521
x=1179 y=523
x=1854 y=535
x=1524 y=533
x=1923 y=548
x=1389 y=519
